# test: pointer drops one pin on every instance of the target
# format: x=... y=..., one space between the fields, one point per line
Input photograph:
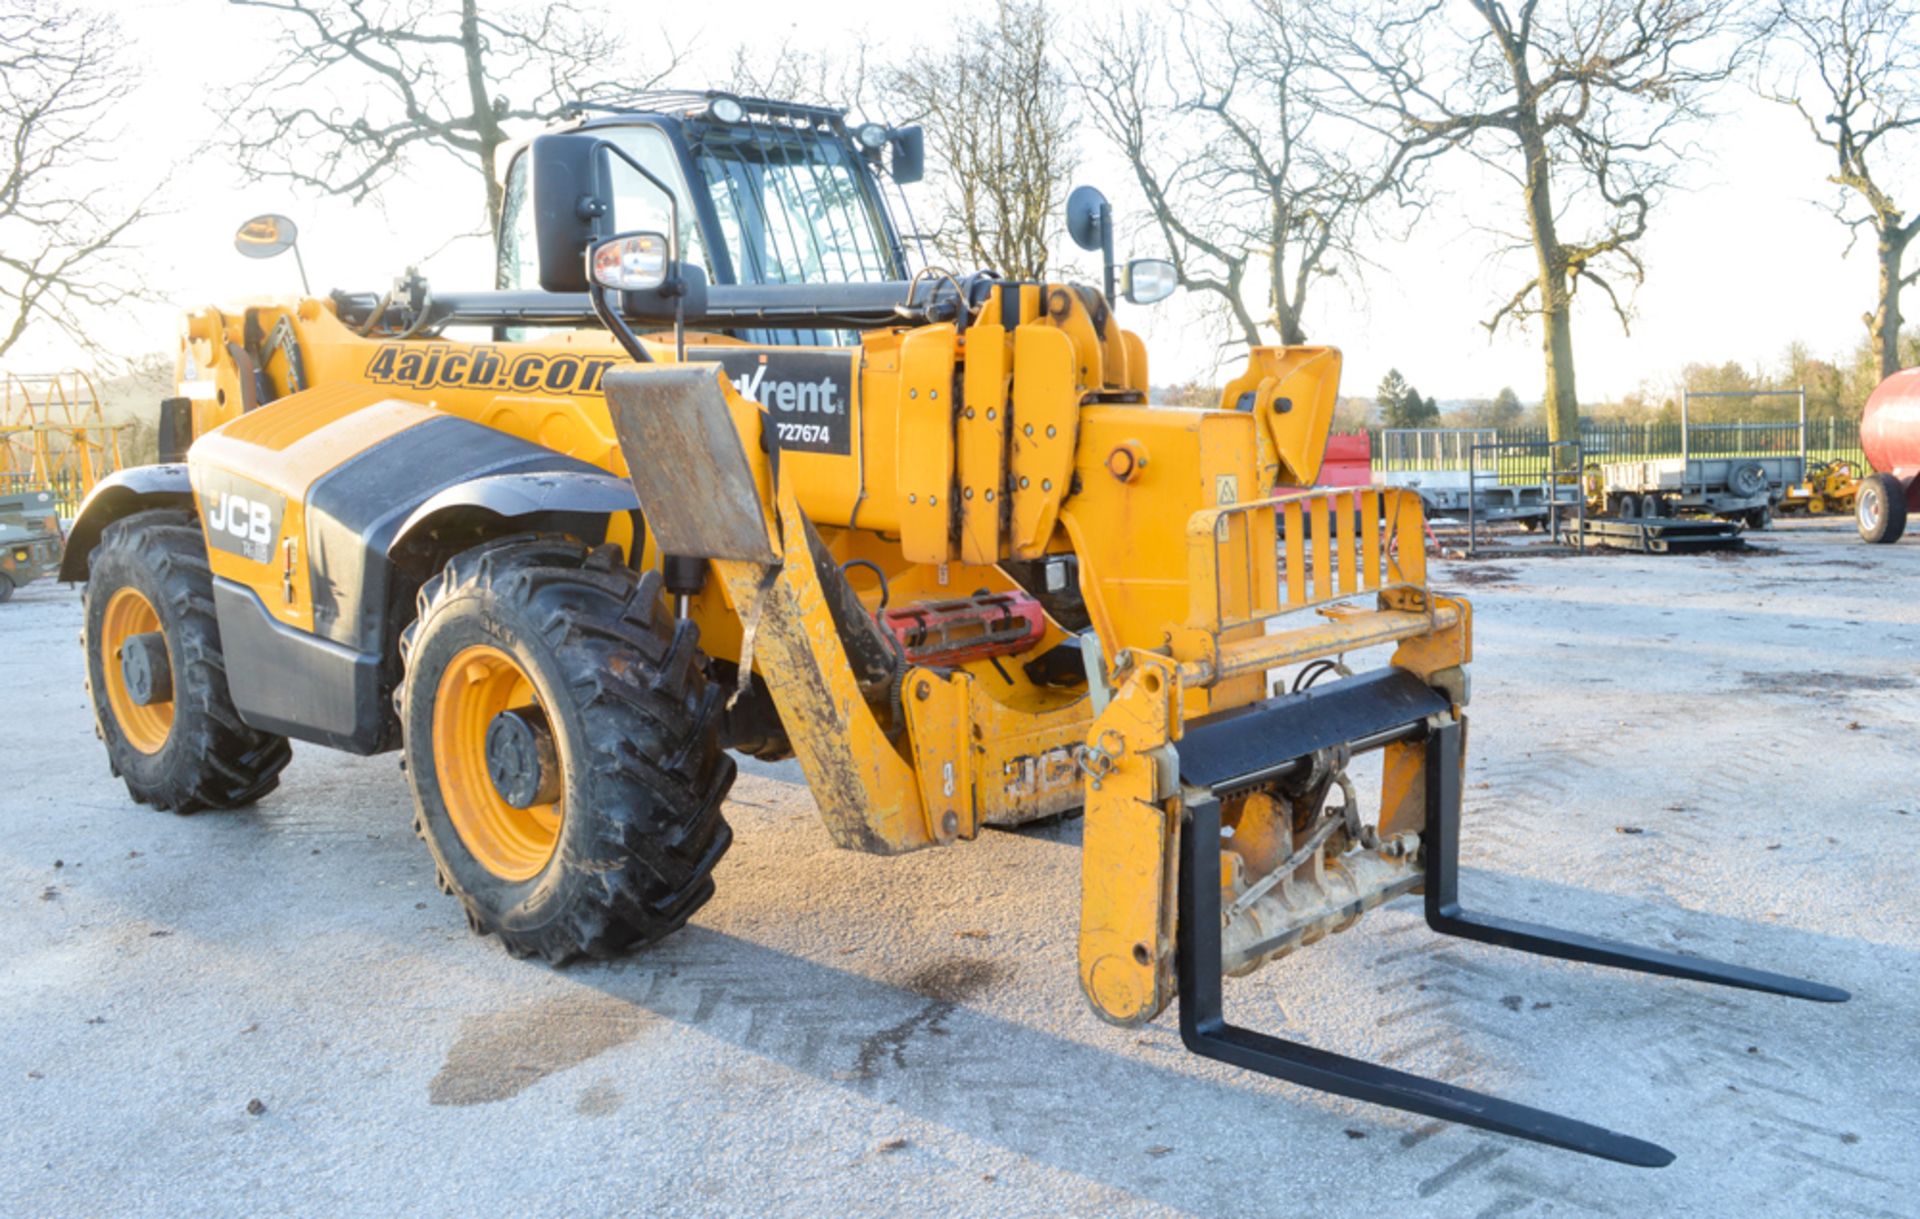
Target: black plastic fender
x=587 y=492
x=121 y=493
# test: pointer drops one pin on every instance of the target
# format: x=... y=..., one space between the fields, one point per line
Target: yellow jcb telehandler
x=711 y=470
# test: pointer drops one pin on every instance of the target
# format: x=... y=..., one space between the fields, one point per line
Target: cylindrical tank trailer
x=1890 y=437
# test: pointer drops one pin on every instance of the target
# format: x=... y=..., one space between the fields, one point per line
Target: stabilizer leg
x=1441 y=845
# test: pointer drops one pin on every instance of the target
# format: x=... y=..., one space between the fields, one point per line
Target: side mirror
x=909 y=160
x=269 y=236
x=572 y=207
x=1149 y=281
x=636 y=262
x=639 y=267
x=1087 y=213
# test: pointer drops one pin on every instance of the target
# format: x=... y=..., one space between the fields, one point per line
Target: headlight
x=872 y=136
x=637 y=263
x=727 y=110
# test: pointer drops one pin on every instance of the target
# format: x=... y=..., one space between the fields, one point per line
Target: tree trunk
x=496 y=194
x=1884 y=322
x=1562 y=404
x=1556 y=346
x=486 y=129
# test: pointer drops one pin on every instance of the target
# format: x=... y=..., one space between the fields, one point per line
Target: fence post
x=1803 y=431
x=1683 y=438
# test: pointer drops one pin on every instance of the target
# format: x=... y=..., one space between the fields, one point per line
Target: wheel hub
x=133 y=649
x=145 y=668
x=521 y=759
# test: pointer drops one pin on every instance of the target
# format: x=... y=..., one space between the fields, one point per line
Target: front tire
x=170 y=729
x=564 y=749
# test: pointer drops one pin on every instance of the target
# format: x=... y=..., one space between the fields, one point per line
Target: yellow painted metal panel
x=1322 y=538
x=924 y=446
x=1127 y=853
x=938 y=718
x=1136 y=361
x=284 y=446
x=983 y=441
x=1046 y=417
x=1328 y=637
x=1292 y=392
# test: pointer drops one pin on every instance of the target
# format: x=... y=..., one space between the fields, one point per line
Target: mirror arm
x=306 y=289
x=673 y=287
x=1106 y=247
x=611 y=319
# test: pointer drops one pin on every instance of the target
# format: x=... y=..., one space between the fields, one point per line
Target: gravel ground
x=273 y=1011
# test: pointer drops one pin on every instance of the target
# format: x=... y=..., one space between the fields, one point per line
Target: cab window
x=638 y=205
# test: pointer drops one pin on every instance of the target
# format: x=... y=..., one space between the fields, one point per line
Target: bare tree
x=63 y=252
x=791 y=73
x=1855 y=81
x=1577 y=102
x=1257 y=190
x=999 y=141
x=363 y=88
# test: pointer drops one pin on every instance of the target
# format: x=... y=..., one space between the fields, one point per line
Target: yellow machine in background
x=716 y=484
x=1830 y=486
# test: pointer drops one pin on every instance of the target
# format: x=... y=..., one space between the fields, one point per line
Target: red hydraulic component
x=1890 y=429
x=967 y=628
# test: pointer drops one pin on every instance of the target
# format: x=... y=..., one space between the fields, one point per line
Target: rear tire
x=149 y=575
x=623 y=848
x=6 y=588
x=1880 y=509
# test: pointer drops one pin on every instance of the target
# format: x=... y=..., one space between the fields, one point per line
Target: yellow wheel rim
x=512 y=843
x=129 y=613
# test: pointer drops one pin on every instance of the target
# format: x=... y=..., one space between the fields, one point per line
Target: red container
x=1890 y=429
x=1349 y=461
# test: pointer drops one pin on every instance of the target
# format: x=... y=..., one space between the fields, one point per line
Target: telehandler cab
x=727 y=477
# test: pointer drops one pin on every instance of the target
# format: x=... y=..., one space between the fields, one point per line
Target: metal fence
x=68 y=488
x=1407 y=449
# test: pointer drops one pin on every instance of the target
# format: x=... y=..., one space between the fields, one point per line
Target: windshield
x=793 y=207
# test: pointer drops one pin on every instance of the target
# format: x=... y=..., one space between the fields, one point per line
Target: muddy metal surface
x=273 y=1012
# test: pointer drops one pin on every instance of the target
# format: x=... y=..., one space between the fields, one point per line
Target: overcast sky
x=1741 y=261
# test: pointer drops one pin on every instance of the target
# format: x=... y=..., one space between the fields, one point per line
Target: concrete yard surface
x=274 y=1012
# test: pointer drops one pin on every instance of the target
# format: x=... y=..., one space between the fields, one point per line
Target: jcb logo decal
x=241 y=517
x=442 y=366
x=248 y=520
